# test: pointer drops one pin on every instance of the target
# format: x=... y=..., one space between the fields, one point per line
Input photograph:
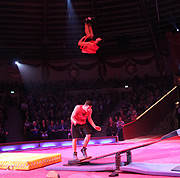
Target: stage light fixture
x=177 y=29
x=16 y=62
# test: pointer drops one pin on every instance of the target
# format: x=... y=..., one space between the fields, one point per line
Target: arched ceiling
x=50 y=29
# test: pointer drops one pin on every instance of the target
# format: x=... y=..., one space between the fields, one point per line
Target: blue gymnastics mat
x=158 y=169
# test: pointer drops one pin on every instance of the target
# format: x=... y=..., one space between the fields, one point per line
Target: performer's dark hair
x=100 y=43
x=88 y=103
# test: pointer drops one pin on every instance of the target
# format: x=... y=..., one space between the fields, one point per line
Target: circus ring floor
x=161 y=153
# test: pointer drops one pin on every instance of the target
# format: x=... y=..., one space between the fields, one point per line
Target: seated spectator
x=111 y=128
x=115 y=119
x=140 y=108
x=1 y=115
x=59 y=115
x=47 y=122
x=98 y=116
x=119 y=126
x=34 y=130
x=43 y=130
x=130 y=111
x=62 y=130
x=133 y=116
x=27 y=125
x=124 y=108
x=122 y=115
x=26 y=116
x=58 y=130
x=3 y=134
x=52 y=130
x=68 y=123
x=51 y=115
x=38 y=123
x=24 y=106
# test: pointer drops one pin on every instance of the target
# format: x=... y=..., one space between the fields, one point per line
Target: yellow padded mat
x=27 y=161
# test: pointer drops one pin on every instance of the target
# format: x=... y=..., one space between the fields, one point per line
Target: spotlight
x=126 y=86
x=16 y=62
x=177 y=29
x=177 y=104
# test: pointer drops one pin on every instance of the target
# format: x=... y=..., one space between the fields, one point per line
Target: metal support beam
x=129 y=157
x=45 y=37
x=157 y=9
x=118 y=160
x=160 y=59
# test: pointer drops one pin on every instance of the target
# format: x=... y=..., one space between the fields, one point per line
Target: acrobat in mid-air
x=87 y=43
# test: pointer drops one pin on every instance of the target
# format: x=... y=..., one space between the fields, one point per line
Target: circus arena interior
x=51 y=62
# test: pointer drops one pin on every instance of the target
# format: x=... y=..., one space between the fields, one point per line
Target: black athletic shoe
x=75 y=156
x=83 y=150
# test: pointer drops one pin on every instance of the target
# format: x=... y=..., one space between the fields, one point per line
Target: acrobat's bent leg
x=89 y=31
x=74 y=144
x=86 y=140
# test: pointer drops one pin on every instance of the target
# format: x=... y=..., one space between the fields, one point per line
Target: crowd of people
x=46 y=107
x=3 y=117
x=144 y=94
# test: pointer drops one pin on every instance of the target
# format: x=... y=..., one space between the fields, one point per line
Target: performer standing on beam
x=86 y=43
x=78 y=119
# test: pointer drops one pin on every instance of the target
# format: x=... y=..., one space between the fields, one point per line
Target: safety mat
x=158 y=169
x=27 y=161
x=91 y=167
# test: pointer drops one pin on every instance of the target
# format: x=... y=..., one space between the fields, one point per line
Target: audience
x=34 y=131
x=145 y=92
x=54 y=106
x=43 y=104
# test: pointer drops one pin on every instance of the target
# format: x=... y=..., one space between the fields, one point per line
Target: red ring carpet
x=166 y=152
